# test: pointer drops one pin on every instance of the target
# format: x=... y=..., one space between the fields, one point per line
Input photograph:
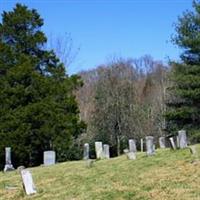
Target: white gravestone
x=8 y=164
x=162 y=142
x=28 y=182
x=99 y=150
x=141 y=145
x=173 y=145
x=49 y=158
x=86 y=151
x=106 y=151
x=150 y=146
x=132 y=146
x=182 y=139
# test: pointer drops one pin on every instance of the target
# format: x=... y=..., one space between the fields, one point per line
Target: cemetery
x=140 y=173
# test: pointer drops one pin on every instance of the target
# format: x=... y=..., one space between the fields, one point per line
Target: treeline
x=43 y=108
x=123 y=99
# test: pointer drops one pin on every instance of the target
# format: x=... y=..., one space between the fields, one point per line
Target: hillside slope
x=166 y=176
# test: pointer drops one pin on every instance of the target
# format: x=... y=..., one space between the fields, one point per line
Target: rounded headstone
x=132 y=145
x=150 y=145
x=162 y=142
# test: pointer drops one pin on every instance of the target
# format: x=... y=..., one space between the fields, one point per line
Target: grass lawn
x=166 y=176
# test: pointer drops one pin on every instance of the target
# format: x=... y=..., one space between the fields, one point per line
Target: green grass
x=167 y=175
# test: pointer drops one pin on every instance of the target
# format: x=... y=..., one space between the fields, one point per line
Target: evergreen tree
x=184 y=102
x=38 y=109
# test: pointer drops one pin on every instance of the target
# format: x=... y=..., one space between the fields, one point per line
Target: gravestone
x=193 y=150
x=182 y=139
x=173 y=145
x=106 y=151
x=162 y=142
x=99 y=150
x=195 y=154
x=86 y=151
x=141 y=145
x=177 y=142
x=28 y=183
x=49 y=158
x=131 y=155
x=150 y=146
x=132 y=145
x=8 y=164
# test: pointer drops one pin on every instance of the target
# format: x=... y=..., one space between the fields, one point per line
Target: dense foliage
x=38 y=110
x=121 y=99
x=184 y=93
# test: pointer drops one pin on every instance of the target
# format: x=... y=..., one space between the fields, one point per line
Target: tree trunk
x=118 y=145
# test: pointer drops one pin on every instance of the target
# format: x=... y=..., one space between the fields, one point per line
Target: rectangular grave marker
x=162 y=142
x=28 y=183
x=150 y=146
x=86 y=151
x=99 y=150
x=106 y=151
x=49 y=158
x=132 y=145
x=173 y=145
x=182 y=139
x=177 y=142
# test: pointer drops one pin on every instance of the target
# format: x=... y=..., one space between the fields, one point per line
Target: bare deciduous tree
x=123 y=99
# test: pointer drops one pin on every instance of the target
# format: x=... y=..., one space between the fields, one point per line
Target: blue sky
x=107 y=28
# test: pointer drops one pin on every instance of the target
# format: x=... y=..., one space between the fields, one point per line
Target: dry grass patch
x=166 y=176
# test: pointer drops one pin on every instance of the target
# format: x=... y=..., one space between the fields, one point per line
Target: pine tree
x=38 y=109
x=184 y=104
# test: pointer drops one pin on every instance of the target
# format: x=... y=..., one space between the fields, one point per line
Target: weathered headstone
x=132 y=145
x=162 y=142
x=8 y=164
x=195 y=154
x=106 y=151
x=49 y=158
x=177 y=142
x=193 y=150
x=28 y=183
x=99 y=150
x=86 y=151
x=182 y=139
x=131 y=155
x=149 y=145
x=141 y=145
x=173 y=145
